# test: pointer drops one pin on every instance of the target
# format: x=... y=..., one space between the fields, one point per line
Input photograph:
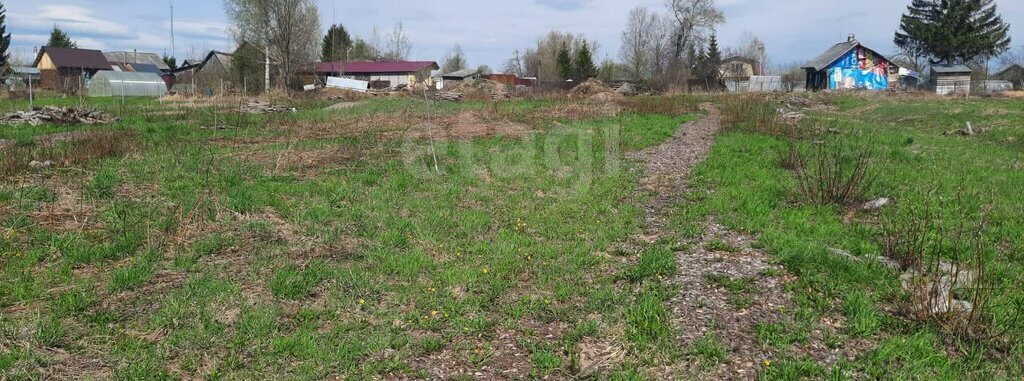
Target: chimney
x=851 y=38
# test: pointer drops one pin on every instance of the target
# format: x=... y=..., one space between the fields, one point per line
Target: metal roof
x=951 y=69
x=369 y=67
x=464 y=73
x=74 y=58
x=834 y=53
x=140 y=58
x=24 y=70
x=831 y=55
x=146 y=68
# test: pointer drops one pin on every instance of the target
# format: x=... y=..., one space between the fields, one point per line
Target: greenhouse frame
x=128 y=84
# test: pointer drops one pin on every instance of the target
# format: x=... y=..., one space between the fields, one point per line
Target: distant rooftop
x=951 y=69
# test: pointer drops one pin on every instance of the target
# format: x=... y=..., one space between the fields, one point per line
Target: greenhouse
x=128 y=84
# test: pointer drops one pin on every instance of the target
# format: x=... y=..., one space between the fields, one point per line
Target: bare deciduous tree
x=645 y=43
x=454 y=61
x=289 y=30
x=751 y=47
x=541 y=61
x=399 y=45
x=515 y=65
x=694 y=19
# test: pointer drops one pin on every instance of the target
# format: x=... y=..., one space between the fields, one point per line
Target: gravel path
x=726 y=287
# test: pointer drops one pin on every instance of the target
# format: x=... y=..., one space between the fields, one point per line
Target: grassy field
x=325 y=244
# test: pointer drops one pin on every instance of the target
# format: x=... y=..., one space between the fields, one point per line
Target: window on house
x=737 y=67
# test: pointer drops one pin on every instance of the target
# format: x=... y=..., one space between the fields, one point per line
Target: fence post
x=30 y=96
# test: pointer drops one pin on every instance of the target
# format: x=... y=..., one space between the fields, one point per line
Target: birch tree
x=693 y=20
x=288 y=31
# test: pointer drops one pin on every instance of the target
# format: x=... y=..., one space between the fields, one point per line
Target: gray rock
x=875 y=204
x=40 y=164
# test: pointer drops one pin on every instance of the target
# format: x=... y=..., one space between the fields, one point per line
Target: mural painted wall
x=860 y=69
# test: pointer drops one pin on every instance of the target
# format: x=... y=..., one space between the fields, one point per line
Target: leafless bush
x=833 y=171
x=790 y=158
x=948 y=262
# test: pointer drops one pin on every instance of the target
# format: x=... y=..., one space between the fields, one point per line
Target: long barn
x=849 y=66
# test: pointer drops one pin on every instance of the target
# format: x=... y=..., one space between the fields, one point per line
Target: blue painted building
x=848 y=66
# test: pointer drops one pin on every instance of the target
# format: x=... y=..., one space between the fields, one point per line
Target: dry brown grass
x=67 y=149
x=753 y=113
x=671 y=106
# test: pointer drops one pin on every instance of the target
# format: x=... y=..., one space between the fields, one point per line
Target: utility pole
x=172 y=27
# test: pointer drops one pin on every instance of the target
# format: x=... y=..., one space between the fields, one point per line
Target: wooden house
x=848 y=66
x=66 y=69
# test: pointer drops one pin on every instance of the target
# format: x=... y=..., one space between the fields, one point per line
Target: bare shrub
x=942 y=246
x=790 y=158
x=833 y=171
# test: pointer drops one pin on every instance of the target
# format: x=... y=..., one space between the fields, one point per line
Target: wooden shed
x=950 y=79
x=67 y=70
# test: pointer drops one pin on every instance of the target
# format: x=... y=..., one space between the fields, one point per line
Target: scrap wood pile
x=449 y=96
x=595 y=90
x=57 y=115
x=261 y=107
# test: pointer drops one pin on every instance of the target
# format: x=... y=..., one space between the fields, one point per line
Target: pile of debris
x=261 y=107
x=449 y=96
x=57 y=115
x=594 y=89
x=478 y=89
x=793 y=108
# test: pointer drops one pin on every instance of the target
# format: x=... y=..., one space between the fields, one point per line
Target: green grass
x=743 y=185
x=190 y=259
x=194 y=261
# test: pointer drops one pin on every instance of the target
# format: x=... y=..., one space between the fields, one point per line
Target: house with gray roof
x=128 y=60
x=848 y=66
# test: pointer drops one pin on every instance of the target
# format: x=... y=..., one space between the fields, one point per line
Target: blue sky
x=488 y=31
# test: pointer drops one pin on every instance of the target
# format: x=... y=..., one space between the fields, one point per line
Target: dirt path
x=726 y=287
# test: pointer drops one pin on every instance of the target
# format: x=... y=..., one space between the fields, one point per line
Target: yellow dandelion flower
x=486 y=270
x=767 y=363
x=362 y=301
x=433 y=313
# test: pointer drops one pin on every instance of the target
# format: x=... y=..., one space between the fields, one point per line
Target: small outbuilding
x=66 y=69
x=110 y=83
x=848 y=66
x=461 y=75
x=387 y=74
x=950 y=79
x=1014 y=74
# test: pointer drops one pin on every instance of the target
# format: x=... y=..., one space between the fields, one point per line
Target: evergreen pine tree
x=59 y=39
x=5 y=38
x=584 y=64
x=712 y=60
x=953 y=31
x=336 y=43
x=564 y=62
x=170 y=61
